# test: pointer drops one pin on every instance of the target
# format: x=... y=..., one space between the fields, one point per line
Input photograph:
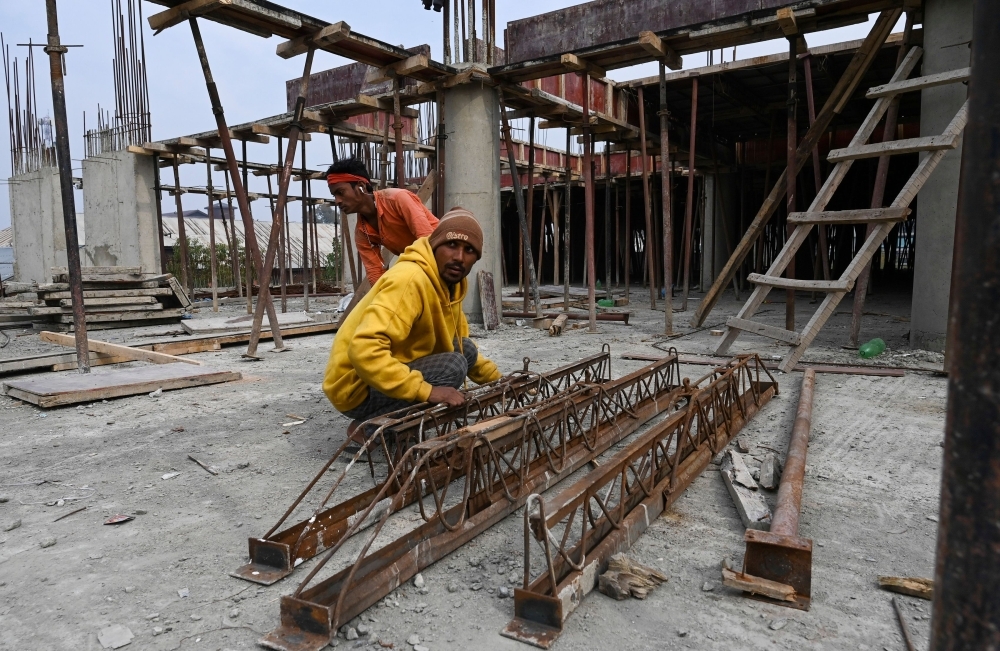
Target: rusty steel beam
x=276 y=554
x=493 y=466
x=780 y=555
x=966 y=574
x=605 y=511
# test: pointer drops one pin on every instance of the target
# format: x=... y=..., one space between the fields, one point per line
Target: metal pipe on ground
x=781 y=555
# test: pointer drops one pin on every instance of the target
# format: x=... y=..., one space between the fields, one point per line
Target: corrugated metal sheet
x=197 y=230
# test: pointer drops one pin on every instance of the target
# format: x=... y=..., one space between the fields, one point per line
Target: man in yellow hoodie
x=407 y=341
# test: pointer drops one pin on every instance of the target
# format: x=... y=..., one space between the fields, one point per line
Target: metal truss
x=464 y=483
x=276 y=554
x=579 y=528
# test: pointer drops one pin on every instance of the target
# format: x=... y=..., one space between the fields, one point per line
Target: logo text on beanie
x=452 y=235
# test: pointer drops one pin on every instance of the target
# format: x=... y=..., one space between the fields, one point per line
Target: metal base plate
x=262 y=574
x=529 y=632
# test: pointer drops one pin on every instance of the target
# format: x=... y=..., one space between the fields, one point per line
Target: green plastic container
x=605 y=302
x=873 y=348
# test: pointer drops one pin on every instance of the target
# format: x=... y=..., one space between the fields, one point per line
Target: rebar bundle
x=130 y=124
x=31 y=146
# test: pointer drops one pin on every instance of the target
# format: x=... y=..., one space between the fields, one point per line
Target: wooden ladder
x=883 y=218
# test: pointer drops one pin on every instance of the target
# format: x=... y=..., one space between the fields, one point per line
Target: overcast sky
x=249 y=75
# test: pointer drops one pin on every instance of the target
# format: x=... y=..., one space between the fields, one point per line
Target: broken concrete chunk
x=115 y=636
x=13 y=525
x=48 y=541
x=753 y=510
x=770 y=472
x=743 y=444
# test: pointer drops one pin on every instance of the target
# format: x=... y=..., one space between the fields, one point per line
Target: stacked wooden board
x=113 y=297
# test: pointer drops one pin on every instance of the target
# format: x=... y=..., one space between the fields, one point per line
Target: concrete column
x=118 y=196
x=713 y=238
x=472 y=175
x=37 y=222
x=947 y=32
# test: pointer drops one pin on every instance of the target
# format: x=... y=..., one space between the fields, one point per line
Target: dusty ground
x=870 y=501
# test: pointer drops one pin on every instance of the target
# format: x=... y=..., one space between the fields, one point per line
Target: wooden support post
x=629 y=240
x=648 y=245
x=791 y=173
x=251 y=250
x=439 y=142
x=397 y=132
x=665 y=200
x=566 y=227
x=541 y=231
x=186 y=280
x=878 y=194
x=529 y=200
x=234 y=247
x=821 y=229
x=607 y=219
x=305 y=231
x=588 y=197
x=158 y=193
x=689 y=206
x=213 y=259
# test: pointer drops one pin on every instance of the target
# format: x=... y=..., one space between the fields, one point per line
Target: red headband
x=345 y=178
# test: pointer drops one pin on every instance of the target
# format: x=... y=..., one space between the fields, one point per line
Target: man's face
x=347 y=196
x=454 y=260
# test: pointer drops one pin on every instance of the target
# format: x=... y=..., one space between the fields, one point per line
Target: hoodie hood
x=421 y=254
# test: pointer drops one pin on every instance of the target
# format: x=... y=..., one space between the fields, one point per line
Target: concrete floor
x=870 y=504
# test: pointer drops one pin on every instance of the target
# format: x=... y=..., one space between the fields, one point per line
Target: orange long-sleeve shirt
x=402 y=219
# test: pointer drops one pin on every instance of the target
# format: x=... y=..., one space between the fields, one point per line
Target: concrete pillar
x=37 y=222
x=947 y=33
x=472 y=175
x=118 y=196
x=713 y=238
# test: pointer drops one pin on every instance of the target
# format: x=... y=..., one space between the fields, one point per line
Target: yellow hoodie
x=407 y=315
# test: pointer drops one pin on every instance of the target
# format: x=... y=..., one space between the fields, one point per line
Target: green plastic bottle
x=873 y=348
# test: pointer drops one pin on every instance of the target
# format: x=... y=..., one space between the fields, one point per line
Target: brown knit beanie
x=458 y=224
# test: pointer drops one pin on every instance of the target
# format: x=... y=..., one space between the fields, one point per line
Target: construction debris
x=753 y=510
x=912 y=586
x=558 y=324
x=625 y=577
x=770 y=472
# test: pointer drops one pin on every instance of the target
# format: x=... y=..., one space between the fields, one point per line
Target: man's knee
x=470 y=352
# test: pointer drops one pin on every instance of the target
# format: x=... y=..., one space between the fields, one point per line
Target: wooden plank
x=757 y=585
x=487 y=296
x=53 y=391
x=112 y=300
x=656 y=46
x=572 y=62
x=794 y=283
x=184 y=347
x=126 y=316
x=320 y=40
x=764 y=330
x=919 y=83
x=100 y=359
x=50 y=310
x=132 y=271
x=893 y=148
x=179 y=292
x=179 y=14
x=136 y=354
x=913 y=586
x=110 y=279
x=857 y=216
x=108 y=293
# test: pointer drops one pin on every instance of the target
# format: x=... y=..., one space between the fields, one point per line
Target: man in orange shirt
x=392 y=218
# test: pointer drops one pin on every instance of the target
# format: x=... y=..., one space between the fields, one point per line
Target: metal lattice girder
x=604 y=512
x=276 y=554
x=492 y=467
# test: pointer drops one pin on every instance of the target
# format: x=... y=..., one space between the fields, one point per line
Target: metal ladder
x=883 y=218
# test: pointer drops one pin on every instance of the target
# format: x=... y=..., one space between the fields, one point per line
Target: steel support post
x=56 y=50
x=606 y=510
x=629 y=240
x=566 y=226
x=213 y=258
x=529 y=209
x=967 y=575
x=791 y=171
x=781 y=555
x=588 y=205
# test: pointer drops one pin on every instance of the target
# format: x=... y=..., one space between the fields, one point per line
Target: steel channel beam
x=606 y=511
x=780 y=554
x=504 y=460
x=275 y=555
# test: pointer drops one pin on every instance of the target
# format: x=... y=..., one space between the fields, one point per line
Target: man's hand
x=447 y=395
